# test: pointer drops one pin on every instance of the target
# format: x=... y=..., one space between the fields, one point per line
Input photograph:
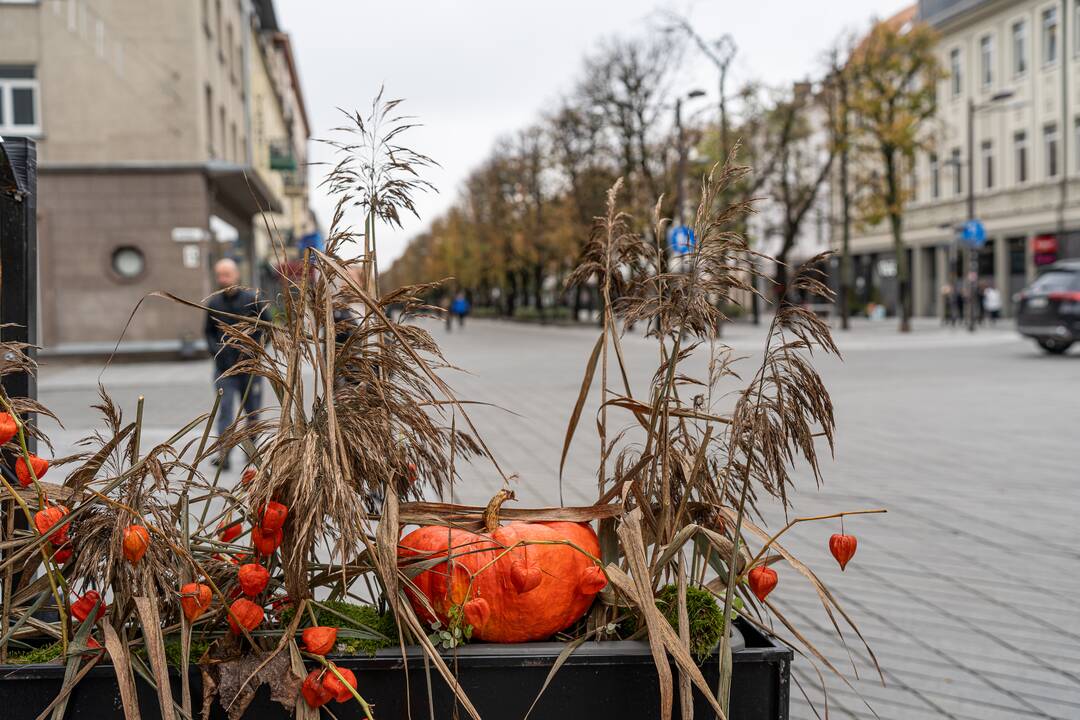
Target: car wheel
x=1054 y=347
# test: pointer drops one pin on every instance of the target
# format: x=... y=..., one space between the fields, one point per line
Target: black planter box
x=599 y=680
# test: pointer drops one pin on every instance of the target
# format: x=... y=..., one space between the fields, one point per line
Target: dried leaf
x=155 y=648
x=583 y=393
x=118 y=652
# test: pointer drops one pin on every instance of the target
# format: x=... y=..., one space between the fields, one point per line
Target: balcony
x=281 y=157
x=295 y=182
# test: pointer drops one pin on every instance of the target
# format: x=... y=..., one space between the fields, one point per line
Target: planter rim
x=601 y=648
x=606 y=652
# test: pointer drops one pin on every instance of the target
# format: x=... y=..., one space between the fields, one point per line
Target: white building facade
x=1013 y=73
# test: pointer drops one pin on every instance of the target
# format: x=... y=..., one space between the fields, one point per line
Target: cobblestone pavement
x=966 y=590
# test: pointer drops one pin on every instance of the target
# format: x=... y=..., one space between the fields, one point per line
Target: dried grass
x=367 y=428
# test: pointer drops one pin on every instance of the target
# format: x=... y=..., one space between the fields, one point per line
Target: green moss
x=37 y=656
x=705 y=615
x=173 y=652
x=361 y=629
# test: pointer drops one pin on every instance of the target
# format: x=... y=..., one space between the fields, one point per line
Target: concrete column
x=1029 y=258
x=918 y=282
x=1001 y=272
x=941 y=259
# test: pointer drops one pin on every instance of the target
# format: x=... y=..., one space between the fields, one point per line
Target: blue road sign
x=681 y=239
x=973 y=233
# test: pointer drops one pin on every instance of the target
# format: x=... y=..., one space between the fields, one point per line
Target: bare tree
x=796 y=131
x=838 y=90
x=627 y=82
x=582 y=160
x=895 y=70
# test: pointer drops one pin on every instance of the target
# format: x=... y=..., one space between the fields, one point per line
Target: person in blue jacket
x=460 y=308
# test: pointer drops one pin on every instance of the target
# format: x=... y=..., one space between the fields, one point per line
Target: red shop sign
x=1044 y=244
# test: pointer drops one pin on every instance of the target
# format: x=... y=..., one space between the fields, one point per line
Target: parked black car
x=1049 y=309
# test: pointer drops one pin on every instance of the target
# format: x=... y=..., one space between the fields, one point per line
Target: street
x=965 y=590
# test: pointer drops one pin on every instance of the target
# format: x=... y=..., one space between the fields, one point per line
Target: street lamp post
x=973 y=250
x=680 y=175
x=720 y=53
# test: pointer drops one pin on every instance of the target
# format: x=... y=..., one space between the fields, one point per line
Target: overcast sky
x=472 y=70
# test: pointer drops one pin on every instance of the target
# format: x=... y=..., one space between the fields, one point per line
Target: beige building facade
x=280 y=133
x=148 y=170
x=1013 y=72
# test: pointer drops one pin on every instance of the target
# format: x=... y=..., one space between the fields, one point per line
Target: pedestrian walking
x=228 y=307
x=980 y=306
x=946 y=304
x=460 y=308
x=992 y=303
x=958 y=305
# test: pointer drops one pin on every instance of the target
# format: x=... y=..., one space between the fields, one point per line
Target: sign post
x=18 y=296
x=18 y=257
x=973 y=234
x=681 y=239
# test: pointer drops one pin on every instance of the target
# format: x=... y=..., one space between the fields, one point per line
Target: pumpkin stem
x=491 y=512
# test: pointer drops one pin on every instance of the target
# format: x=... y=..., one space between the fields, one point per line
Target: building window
x=1050 y=149
x=1049 y=36
x=235 y=144
x=210 y=120
x=1076 y=27
x=1076 y=139
x=987 y=152
x=958 y=172
x=221 y=124
x=229 y=47
x=954 y=71
x=935 y=177
x=128 y=262
x=1020 y=148
x=206 y=17
x=1019 y=48
x=986 y=61
x=913 y=180
x=19 y=101
x=217 y=26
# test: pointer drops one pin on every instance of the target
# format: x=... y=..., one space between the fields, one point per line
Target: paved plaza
x=966 y=590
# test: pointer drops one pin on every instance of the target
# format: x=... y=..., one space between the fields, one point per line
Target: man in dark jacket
x=232 y=300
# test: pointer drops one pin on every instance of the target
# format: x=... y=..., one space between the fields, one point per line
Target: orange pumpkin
x=246 y=613
x=528 y=593
x=273 y=517
x=81 y=608
x=336 y=687
x=195 y=598
x=48 y=516
x=8 y=428
x=40 y=466
x=253 y=578
x=265 y=543
x=136 y=541
x=319 y=640
x=314 y=690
